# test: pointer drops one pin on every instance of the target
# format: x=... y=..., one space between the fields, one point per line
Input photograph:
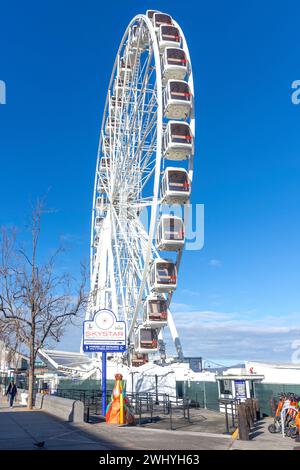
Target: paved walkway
x=201 y=420
x=22 y=429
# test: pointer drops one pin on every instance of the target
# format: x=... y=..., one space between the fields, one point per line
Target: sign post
x=104 y=333
x=103 y=383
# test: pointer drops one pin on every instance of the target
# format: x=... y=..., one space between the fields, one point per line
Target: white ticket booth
x=239 y=386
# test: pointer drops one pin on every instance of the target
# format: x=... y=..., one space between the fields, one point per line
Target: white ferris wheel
x=144 y=164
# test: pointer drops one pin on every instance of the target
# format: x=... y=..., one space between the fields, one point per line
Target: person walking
x=11 y=392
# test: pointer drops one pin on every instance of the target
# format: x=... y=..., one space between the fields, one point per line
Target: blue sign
x=104 y=333
x=240 y=389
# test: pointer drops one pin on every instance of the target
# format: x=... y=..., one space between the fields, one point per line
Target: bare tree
x=37 y=302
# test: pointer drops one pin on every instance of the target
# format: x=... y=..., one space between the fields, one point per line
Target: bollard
x=250 y=411
x=248 y=414
x=253 y=410
x=244 y=429
x=256 y=408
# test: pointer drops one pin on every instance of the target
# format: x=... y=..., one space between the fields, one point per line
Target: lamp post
x=156 y=390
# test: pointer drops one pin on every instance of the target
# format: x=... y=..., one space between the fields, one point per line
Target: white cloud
x=234 y=335
x=190 y=292
x=227 y=337
x=216 y=263
x=71 y=238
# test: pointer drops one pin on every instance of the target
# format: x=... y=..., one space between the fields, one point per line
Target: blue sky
x=239 y=296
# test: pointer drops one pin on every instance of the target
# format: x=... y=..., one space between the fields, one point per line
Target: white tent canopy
x=149 y=377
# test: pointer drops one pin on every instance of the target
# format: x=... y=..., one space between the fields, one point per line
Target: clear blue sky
x=238 y=297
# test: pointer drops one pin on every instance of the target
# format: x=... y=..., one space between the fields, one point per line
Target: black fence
x=144 y=405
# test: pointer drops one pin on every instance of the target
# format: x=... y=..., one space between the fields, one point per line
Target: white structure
x=175 y=186
x=178 y=139
x=11 y=360
x=163 y=276
x=240 y=382
x=129 y=170
x=170 y=233
x=151 y=378
x=274 y=373
x=69 y=363
x=236 y=383
x=146 y=339
x=174 y=64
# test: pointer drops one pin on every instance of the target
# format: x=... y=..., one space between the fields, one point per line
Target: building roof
x=61 y=360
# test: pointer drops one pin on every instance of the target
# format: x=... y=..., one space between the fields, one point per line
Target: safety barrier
x=230 y=407
x=63 y=408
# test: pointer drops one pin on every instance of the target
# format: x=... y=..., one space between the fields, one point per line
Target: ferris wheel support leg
x=175 y=337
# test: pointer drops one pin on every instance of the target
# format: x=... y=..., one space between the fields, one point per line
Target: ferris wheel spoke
x=129 y=249
x=147 y=131
x=140 y=235
x=134 y=84
x=148 y=165
x=117 y=258
x=142 y=133
x=138 y=151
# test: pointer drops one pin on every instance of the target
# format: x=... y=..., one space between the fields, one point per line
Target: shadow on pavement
x=21 y=429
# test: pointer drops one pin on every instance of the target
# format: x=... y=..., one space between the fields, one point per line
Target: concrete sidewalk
x=22 y=429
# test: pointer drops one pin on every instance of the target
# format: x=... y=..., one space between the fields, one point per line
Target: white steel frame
x=120 y=263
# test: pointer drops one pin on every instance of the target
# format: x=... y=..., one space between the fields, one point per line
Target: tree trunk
x=31 y=369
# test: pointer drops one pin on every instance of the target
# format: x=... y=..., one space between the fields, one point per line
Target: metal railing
x=143 y=404
x=231 y=412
